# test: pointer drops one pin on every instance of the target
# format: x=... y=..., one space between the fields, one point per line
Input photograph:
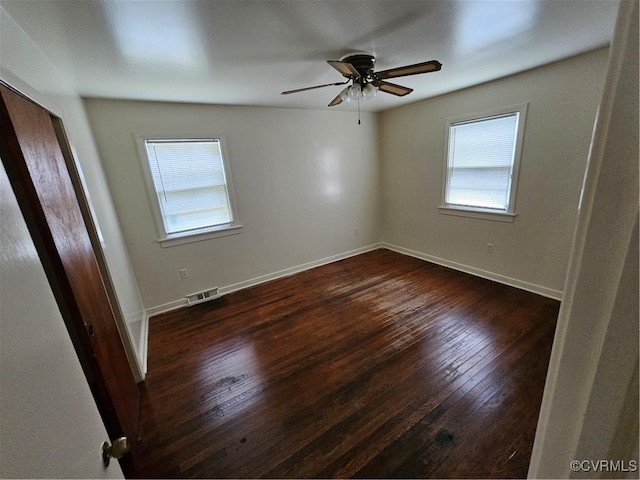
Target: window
x=483 y=155
x=190 y=188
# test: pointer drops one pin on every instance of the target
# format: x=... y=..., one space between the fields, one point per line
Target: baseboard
x=144 y=344
x=512 y=282
x=167 y=307
x=139 y=361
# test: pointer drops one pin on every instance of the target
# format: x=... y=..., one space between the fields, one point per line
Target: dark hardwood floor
x=380 y=365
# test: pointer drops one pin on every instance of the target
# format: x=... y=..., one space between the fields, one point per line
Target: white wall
x=533 y=251
x=49 y=423
x=24 y=67
x=304 y=182
x=590 y=405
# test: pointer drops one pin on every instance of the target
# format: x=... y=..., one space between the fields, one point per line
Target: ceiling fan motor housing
x=363 y=63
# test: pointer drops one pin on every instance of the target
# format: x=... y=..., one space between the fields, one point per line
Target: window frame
x=509 y=214
x=170 y=239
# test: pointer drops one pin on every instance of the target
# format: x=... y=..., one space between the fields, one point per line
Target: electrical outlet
x=489 y=247
x=184 y=274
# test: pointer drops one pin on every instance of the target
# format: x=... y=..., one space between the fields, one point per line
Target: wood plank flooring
x=377 y=366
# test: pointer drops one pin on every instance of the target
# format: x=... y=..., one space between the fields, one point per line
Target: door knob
x=118 y=449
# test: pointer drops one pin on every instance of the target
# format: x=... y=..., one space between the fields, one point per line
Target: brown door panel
x=38 y=173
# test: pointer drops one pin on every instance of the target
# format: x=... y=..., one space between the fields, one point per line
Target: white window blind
x=190 y=184
x=480 y=162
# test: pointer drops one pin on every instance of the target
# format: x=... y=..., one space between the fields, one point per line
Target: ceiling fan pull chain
x=358 y=110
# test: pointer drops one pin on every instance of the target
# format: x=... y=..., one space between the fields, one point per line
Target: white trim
x=477 y=213
x=167 y=240
x=512 y=282
x=576 y=367
x=200 y=235
x=266 y=278
x=144 y=343
x=529 y=287
x=521 y=110
x=166 y=307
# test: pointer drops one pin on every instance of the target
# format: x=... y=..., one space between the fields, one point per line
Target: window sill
x=224 y=231
x=478 y=213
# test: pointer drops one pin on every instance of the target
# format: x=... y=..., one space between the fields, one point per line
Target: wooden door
x=35 y=165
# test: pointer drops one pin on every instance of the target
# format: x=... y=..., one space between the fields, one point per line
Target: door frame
x=91 y=221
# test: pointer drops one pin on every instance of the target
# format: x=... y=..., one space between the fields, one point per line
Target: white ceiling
x=245 y=52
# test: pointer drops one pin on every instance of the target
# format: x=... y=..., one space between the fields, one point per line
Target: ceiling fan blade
x=424 y=67
x=313 y=88
x=346 y=69
x=392 y=88
x=338 y=99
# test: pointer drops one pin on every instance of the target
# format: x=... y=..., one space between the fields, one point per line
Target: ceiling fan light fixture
x=369 y=91
x=354 y=92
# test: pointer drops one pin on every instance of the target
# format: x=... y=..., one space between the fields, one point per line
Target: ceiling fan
x=358 y=70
